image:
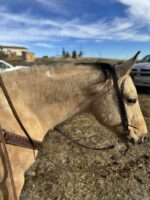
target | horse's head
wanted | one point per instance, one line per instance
(105, 106)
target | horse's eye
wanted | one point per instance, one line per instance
(131, 101)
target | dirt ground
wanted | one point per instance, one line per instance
(66, 171)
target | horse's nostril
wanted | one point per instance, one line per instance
(143, 139)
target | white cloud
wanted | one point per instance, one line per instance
(22, 28)
(55, 6)
(138, 10)
(14, 44)
(26, 19)
(45, 45)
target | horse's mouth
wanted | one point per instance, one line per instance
(130, 137)
(138, 140)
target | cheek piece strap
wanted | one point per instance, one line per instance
(121, 103)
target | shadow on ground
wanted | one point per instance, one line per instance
(66, 171)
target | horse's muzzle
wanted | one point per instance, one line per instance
(142, 139)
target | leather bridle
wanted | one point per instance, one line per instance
(122, 111)
(28, 142)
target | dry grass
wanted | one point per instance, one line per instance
(49, 61)
(81, 174)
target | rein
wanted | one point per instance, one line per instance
(34, 145)
(10, 138)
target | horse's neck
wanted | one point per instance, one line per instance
(47, 100)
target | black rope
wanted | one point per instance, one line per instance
(111, 146)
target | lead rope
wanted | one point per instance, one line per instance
(8, 164)
(111, 146)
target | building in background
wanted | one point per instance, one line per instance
(13, 50)
(28, 56)
(17, 52)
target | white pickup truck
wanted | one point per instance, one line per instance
(141, 72)
(4, 66)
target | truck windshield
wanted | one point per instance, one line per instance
(146, 59)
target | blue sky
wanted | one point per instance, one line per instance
(110, 28)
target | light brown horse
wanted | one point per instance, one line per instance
(46, 96)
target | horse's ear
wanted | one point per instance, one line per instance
(126, 67)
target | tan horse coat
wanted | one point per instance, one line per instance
(43, 98)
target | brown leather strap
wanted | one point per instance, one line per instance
(8, 164)
(18, 140)
(14, 139)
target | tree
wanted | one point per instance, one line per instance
(63, 53)
(74, 54)
(67, 55)
(80, 53)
